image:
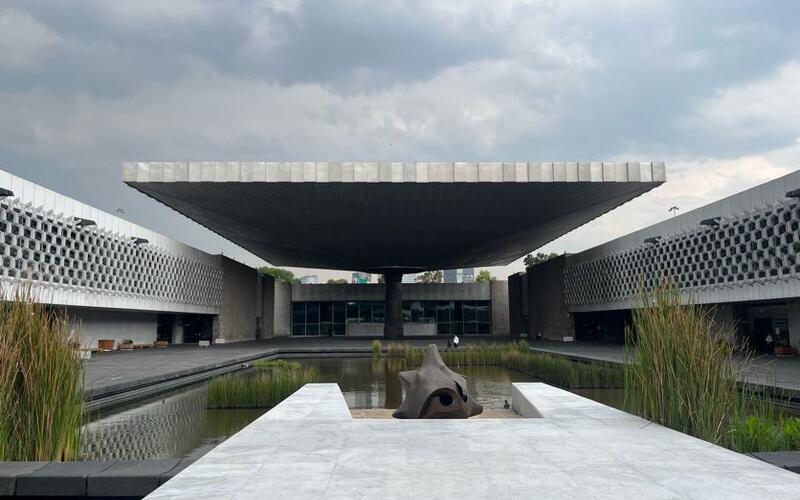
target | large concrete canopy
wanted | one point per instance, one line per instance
(392, 216)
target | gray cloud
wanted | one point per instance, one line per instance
(86, 84)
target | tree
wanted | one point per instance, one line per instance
(484, 276)
(340, 281)
(531, 260)
(430, 277)
(280, 274)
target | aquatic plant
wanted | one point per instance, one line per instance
(681, 371)
(41, 383)
(377, 348)
(263, 389)
(791, 433)
(277, 364)
(517, 355)
(398, 349)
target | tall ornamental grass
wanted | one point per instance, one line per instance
(682, 372)
(41, 384)
(267, 387)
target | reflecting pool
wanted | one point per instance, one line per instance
(178, 424)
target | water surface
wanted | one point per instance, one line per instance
(178, 424)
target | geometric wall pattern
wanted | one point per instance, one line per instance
(43, 248)
(758, 246)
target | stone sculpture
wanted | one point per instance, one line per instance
(435, 391)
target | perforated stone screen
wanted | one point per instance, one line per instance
(755, 247)
(58, 252)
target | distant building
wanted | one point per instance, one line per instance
(452, 276)
(311, 279)
(468, 275)
(360, 278)
(409, 278)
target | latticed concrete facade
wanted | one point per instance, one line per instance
(708, 254)
(75, 260)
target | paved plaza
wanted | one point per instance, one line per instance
(310, 447)
(766, 370)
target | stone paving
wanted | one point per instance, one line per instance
(310, 447)
(766, 370)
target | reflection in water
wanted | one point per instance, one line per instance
(177, 423)
(174, 424)
(373, 383)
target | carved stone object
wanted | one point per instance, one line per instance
(435, 391)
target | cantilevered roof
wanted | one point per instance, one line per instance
(373, 216)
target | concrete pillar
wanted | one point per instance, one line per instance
(393, 324)
(177, 329)
(793, 317)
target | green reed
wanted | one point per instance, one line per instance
(681, 371)
(267, 387)
(377, 348)
(517, 355)
(41, 384)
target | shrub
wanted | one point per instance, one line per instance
(791, 433)
(755, 434)
(41, 384)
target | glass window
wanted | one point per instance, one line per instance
(443, 309)
(338, 312)
(430, 311)
(298, 313)
(365, 312)
(312, 312)
(484, 311)
(352, 312)
(406, 312)
(444, 328)
(417, 312)
(326, 312)
(298, 329)
(312, 329)
(470, 328)
(469, 311)
(339, 329)
(378, 312)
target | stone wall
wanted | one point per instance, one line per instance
(267, 306)
(237, 314)
(500, 318)
(547, 308)
(282, 320)
(95, 324)
(515, 299)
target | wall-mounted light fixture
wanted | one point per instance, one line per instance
(5, 193)
(712, 222)
(653, 240)
(795, 193)
(80, 222)
(139, 241)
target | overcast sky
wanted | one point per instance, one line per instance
(711, 88)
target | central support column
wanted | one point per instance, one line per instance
(393, 325)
